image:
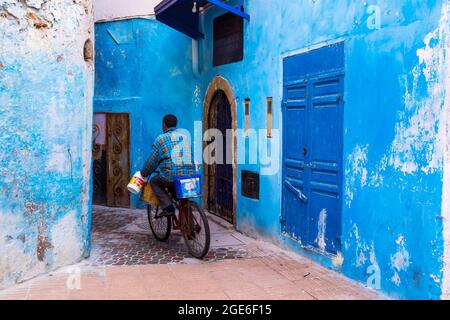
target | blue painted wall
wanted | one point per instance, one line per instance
(393, 119)
(393, 130)
(144, 68)
(394, 96)
(46, 90)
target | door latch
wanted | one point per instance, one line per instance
(298, 192)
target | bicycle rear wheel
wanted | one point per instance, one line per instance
(161, 227)
(196, 231)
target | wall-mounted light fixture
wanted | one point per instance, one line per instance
(246, 115)
(269, 124)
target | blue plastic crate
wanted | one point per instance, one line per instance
(188, 186)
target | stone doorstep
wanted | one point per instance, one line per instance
(225, 240)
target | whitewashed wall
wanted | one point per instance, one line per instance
(116, 9)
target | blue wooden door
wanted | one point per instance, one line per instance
(312, 148)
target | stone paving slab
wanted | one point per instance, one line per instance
(249, 279)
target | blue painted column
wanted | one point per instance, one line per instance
(46, 89)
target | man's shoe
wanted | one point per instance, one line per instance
(167, 212)
(164, 213)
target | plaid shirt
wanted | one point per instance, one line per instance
(171, 156)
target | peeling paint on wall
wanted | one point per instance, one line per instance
(321, 229)
(65, 238)
(358, 175)
(400, 261)
(46, 92)
(419, 142)
(339, 260)
(197, 97)
(356, 172)
(363, 252)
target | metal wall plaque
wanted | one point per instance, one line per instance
(250, 184)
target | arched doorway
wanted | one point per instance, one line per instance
(220, 177)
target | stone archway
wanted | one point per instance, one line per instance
(219, 84)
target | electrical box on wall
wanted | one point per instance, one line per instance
(250, 184)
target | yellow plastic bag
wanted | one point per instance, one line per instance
(148, 196)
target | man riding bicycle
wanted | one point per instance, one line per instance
(171, 157)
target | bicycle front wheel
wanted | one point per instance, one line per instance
(196, 231)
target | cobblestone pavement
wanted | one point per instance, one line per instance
(123, 237)
(127, 263)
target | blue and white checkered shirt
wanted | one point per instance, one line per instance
(171, 156)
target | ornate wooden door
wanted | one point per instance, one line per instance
(118, 163)
(99, 160)
(220, 174)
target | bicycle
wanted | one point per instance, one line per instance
(191, 221)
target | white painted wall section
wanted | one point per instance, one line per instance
(105, 10)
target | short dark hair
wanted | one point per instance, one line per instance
(170, 121)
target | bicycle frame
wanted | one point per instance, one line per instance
(180, 222)
(183, 221)
(176, 220)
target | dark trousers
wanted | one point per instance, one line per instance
(159, 186)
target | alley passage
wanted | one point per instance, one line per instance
(123, 237)
(128, 263)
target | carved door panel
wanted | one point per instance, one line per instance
(118, 161)
(99, 159)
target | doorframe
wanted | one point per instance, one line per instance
(220, 83)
